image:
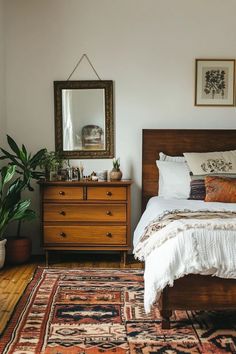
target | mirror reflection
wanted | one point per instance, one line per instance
(84, 119)
(83, 115)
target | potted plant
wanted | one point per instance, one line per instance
(51, 162)
(11, 206)
(116, 174)
(18, 248)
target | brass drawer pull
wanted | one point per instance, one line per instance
(109, 194)
(62, 212)
(109, 212)
(62, 193)
(62, 234)
(109, 234)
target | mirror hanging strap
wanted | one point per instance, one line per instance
(78, 63)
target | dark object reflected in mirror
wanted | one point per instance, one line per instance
(84, 119)
(93, 137)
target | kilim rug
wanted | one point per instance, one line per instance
(100, 311)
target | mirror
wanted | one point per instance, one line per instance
(84, 119)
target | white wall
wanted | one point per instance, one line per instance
(2, 76)
(148, 47)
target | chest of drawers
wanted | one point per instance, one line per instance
(86, 216)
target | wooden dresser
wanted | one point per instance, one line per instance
(86, 215)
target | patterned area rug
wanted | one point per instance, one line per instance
(95, 311)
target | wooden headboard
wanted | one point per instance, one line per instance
(174, 142)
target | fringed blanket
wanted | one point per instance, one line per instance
(170, 223)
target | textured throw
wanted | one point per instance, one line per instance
(100, 311)
(170, 223)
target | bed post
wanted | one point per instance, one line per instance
(164, 311)
(165, 321)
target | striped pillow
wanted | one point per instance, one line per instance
(197, 189)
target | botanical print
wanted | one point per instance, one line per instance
(215, 82)
(216, 165)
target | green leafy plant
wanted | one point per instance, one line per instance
(26, 166)
(116, 164)
(51, 161)
(12, 208)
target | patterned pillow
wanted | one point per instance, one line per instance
(219, 189)
(205, 163)
(197, 189)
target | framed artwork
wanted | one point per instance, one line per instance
(215, 82)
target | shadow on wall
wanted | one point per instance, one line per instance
(136, 197)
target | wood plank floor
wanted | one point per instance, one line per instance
(13, 279)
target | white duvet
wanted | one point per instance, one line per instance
(194, 250)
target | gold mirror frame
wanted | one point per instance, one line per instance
(107, 85)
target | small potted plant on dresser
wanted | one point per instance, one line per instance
(18, 248)
(51, 162)
(12, 207)
(116, 174)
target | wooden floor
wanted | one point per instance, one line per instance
(13, 279)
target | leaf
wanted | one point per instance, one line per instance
(37, 158)
(13, 195)
(7, 173)
(37, 174)
(22, 212)
(24, 150)
(13, 158)
(13, 145)
(29, 214)
(19, 210)
(9, 156)
(23, 157)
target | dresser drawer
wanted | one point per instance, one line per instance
(85, 212)
(106, 193)
(99, 235)
(63, 193)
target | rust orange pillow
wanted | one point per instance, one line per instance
(220, 189)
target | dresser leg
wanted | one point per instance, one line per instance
(123, 258)
(46, 258)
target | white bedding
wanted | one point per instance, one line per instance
(195, 250)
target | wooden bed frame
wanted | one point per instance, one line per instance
(191, 292)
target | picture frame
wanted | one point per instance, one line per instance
(215, 82)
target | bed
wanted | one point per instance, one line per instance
(192, 291)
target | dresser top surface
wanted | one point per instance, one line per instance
(86, 183)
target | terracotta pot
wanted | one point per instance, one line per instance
(115, 175)
(18, 250)
(2, 252)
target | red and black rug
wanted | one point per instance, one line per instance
(94, 311)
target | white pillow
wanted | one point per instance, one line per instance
(164, 157)
(174, 180)
(205, 163)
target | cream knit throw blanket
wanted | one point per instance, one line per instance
(170, 223)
